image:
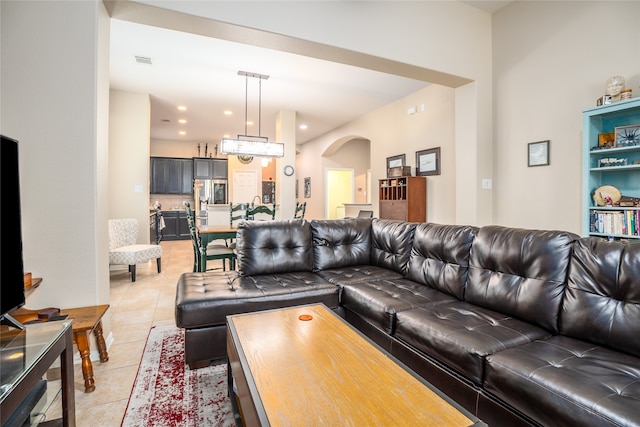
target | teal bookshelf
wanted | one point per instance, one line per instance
(618, 166)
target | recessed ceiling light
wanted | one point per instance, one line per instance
(182, 108)
(182, 132)
(226, 135)
(228, 112)
(303, 127)
(249, 123)
(183, 121)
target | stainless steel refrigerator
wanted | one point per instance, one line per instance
(211, 191)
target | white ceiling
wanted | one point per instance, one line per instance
(201, 73)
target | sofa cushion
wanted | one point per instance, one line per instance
(378, 301)
(357, 273)
(269, 247)
(391, 244)
(521, 273)
(340, 243)
(461, 335)
(440, 257)
(602, 300)
(206, 299)
(561, 381)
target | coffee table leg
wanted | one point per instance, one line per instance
(82, 342)
(102, 347)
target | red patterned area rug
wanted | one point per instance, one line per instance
(167, 393)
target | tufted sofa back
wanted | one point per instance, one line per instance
(391, 244)
(269, 247)
(602, 300)
(341, 243)
(440, 257)
(521, 273)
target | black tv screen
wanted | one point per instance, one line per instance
(11, 264)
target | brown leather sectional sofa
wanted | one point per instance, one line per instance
(521, 327)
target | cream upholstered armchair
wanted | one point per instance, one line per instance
(123, 249)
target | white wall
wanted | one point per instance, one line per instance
(54, 101)
(129, 140)
(551, 61)
(392, 132)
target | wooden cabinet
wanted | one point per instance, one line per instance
(208, 168)
(614, 166)
(171, 175)
(403, 198)
(176, 226)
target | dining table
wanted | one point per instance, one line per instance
(209, 233)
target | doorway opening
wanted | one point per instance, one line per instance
(338, 191)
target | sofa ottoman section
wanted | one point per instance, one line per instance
(203, 300)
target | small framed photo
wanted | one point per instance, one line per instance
(607, 140)
(428, 162)
(538, 153)
(395, 161)
(627, 136)
(307, 187)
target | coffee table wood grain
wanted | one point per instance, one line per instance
(287, 371)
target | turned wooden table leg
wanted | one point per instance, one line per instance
(102, 347)
(82, 342)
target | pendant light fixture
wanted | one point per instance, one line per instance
(251, 145)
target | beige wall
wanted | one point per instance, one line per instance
(129, 158)
(551, 61)
(53, 98)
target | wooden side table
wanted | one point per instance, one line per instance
(85, 320)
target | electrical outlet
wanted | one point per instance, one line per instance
(486, 184)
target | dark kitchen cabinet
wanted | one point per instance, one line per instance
(208, 168)
(176, 226)
(171, 176)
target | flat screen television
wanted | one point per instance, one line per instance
(11, 263)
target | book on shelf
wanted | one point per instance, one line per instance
(623, 222)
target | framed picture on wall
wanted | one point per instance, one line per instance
(428, 162)
(395, 161)
(538, 153)
(307, 187)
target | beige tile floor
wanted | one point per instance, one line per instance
(134, 309)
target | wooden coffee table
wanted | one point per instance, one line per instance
(288, 371)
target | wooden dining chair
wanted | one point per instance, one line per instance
(212, 251)
(261, 209)
(237, 212)
(299, 212)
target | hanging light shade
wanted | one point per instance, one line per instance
(250, 145)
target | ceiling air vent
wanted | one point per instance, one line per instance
(143, 60)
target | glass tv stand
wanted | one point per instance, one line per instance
(26, 355)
